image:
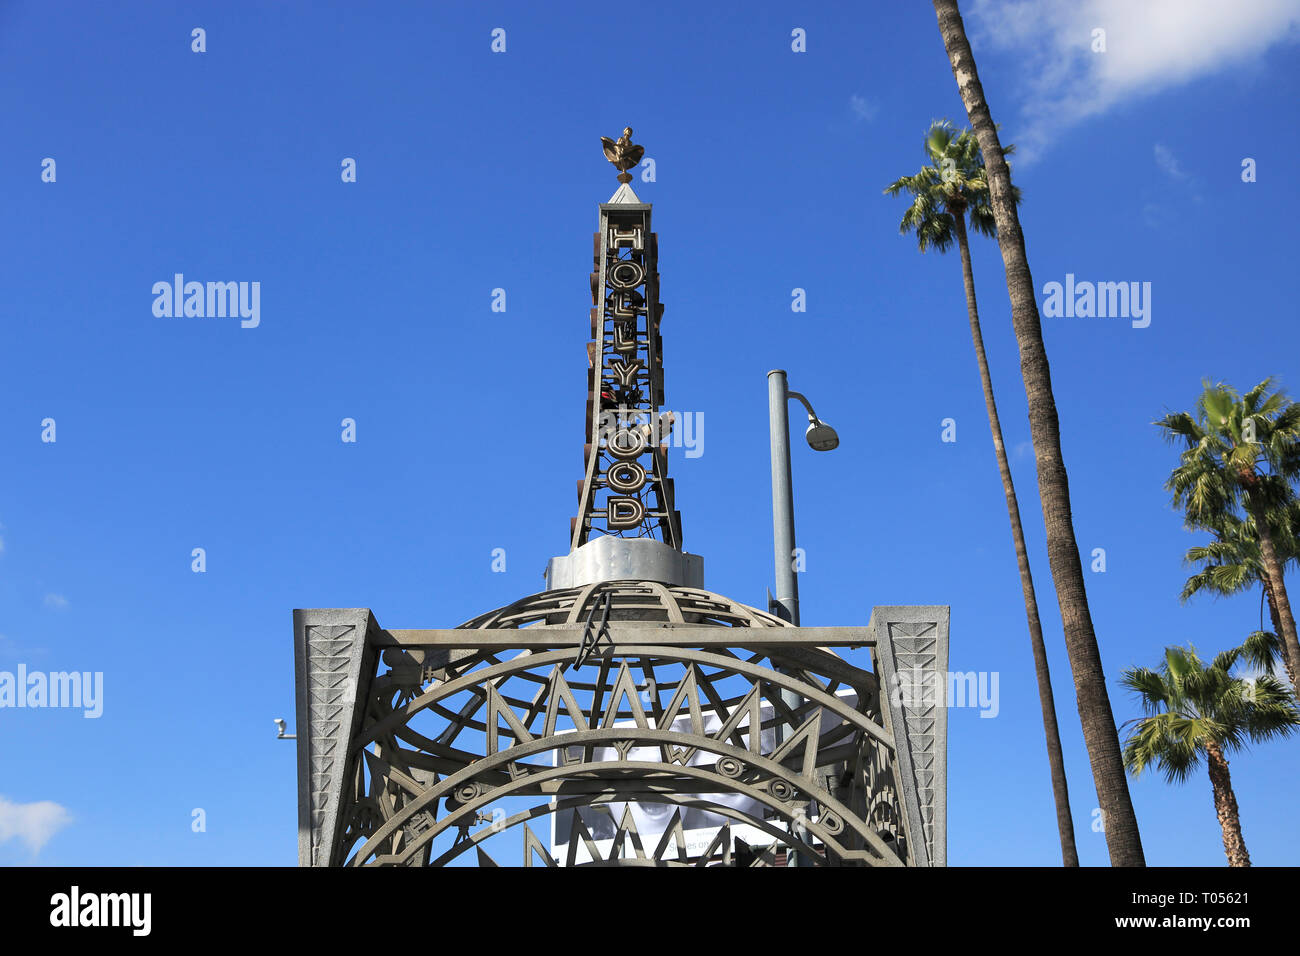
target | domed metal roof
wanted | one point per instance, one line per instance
(630, 601)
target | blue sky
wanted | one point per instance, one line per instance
(479, 170)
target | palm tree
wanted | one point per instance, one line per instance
(1099, 732)
(1263, 649)
(1242, 450)
(1194, 711)
(950, 187)
(1231, 564)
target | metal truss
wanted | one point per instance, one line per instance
(448, 746)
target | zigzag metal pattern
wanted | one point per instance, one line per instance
(329, 705)
(916, 651)
(627, 844)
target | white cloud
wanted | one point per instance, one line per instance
(1151, 45)
(863, 109)
(56, 601)
(1169, 164)
(9, 648)
(1171, 167)
(32, 823)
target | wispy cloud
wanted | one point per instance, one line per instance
(32, 823)
(1150, 46)
(863, 109)
(12, 650)
(56, 601)
(1169, 164)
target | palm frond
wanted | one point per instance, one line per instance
(1190, 704)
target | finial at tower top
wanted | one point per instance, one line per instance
(623, 153)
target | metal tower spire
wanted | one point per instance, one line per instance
(627, 526)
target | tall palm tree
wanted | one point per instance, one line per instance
(950, 187)
(1194, 711)
(1099, 732)
(1242, 450)
(1231, 564)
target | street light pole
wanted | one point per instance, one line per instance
(821, 437)
(787, 585)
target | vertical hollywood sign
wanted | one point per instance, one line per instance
(626, 490)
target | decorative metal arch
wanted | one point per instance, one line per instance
(414, 745)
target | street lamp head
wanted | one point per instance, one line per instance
(821, 437)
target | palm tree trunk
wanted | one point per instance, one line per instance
(1273, 568)
(1225, 805)
(1099, 733)
(1060, 789)
(1277, 629)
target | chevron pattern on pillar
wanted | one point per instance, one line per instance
(329, 647)
(329, 697)
(915, 651)
(912, 661)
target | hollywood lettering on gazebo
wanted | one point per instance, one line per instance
(624, 715)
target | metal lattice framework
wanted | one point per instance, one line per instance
(625, 489)
(418, 747)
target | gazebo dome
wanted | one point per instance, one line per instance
(630, 601)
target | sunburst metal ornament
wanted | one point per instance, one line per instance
(623, 153)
